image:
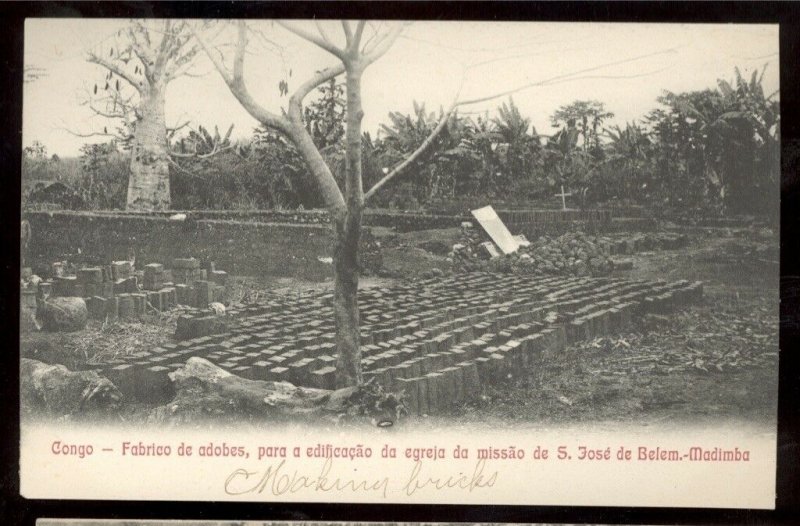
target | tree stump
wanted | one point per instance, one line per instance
(54, 390)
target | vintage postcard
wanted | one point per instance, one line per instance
(371, 261)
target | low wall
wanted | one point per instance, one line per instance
(401, 221)
(239, 247)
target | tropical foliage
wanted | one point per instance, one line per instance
(715, 151)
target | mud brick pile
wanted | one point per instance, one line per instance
(118, 291)
(197, 287)
(439, 340)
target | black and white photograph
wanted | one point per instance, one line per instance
(498, 248)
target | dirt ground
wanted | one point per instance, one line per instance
(713, 362)
(716, 361)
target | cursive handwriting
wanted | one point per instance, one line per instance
(281, 480)
(461, 481)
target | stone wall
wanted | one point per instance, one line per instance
(240, 247)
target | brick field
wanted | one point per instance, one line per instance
(437, 340)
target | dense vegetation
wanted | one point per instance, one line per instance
(715, 151)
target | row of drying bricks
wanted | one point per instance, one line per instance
(282, 331)
(461, 366)
(377, 305)
(413, 347)
(276, 337)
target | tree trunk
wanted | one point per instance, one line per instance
(345, 300)
(205, 392)
(148, 186)
(348, 235)
(203, 389)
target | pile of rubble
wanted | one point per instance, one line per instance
(573, 253)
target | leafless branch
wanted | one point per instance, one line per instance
(114, 68)
(348, 33)
(322, 33)
(236, 81)
(180, 66)
(105, 113)
(375, 33)
(359, 33)
(382, 45)
(175, 129)
(302, 33)
(91, 134)
(319, 78)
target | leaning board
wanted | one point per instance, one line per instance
(496, 229)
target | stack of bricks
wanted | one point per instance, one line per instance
(117, 291)
(158, 286)
(197, 287)
(441, 341)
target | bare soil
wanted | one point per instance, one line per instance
(716, 361)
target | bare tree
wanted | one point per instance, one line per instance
(145, 56)
(345, 206)
(359, 45)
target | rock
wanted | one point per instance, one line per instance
(56, 391)
(63, 314)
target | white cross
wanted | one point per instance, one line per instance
(563, 197)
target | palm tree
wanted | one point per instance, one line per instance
(738, 130)
(432, 174)
(523, 148)
(628, 154)
(587, 116)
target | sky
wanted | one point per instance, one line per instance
(624, 65)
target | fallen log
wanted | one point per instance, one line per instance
(205, 392)
(55, 391)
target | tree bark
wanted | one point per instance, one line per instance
(348, 235)
(148, 186)
(206, 393)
